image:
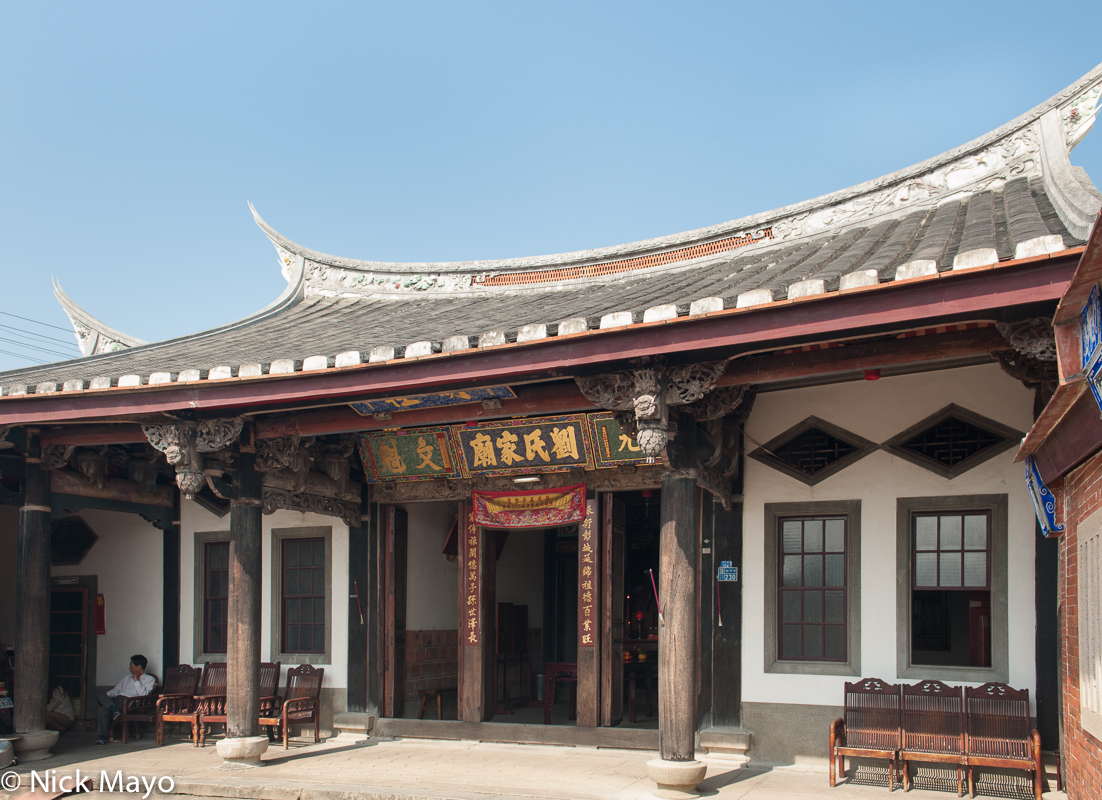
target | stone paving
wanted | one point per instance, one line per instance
(349, 766)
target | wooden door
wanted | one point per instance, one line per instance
(613, 516)
(395, 618)
(68, 643)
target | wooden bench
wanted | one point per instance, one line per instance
(871, 726)
(211, 708)
(933, 727)
(997, 733)
(437, 694)
(182, 708)
(180, 682)
(984, 726)
(300, 702)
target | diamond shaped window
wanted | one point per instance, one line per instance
(952, 441)
(70, 540)
(813, 450)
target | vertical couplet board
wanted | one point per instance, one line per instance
(613, 516)
(477, 609)
(589, 626)
(394, 678)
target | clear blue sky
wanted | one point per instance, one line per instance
(132, 135)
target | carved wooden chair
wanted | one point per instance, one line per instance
(300, 704)
(933, 727)
(212, 709)
(870, 727)
(185, 708)
(997, 732)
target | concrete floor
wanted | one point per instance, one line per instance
(350, 766)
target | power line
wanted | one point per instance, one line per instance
(34, 347)
(36, 322)
(32, 333)
(20, 355)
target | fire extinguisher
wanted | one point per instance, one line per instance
(101, 615)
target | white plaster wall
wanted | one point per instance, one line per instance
(195, 518)
(127, 561)
(879, 410)
(432, 581)
(9, 552)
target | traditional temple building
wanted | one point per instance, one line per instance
(744, 464)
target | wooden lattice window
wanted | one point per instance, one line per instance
(813, 450)
(216, 595)
(952, 441)
(303, 595)
(811, 588)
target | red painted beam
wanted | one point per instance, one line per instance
(123, 433)
(1076, 437)
(530, 400)
(901, 304)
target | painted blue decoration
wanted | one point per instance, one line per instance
(1044, 504)
(1090, 329)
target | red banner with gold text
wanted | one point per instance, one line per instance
(540, 508)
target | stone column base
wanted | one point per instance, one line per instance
(34, 746)
(676, 779)
(243, 752)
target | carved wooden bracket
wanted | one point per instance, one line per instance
(649, 391)
(1033, 359)
(183, 445)
(57, 457)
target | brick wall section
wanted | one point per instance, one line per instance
(1079, 495)
(432, 661)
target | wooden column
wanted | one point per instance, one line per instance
(677, 630)
(170, 590)
(358, 560)
(32, 635)
(243, 643)
(726, 656)
(589, 625)
(477, 641)
(374, 603)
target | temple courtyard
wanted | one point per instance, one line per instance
(353, 766)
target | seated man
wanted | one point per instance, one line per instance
(136, 684)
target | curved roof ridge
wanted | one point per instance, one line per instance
(290, 296)
(93, 336)
(755, 225)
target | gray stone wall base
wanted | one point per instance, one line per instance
(789, 734)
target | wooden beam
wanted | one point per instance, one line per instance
(901, 304)
(861, 356)
(1076, 437)
(112, 433)
(534, 399)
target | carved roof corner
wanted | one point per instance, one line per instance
(93, 336)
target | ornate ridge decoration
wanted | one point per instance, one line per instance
(275, 499)
(56, 457)
(1079, 114)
